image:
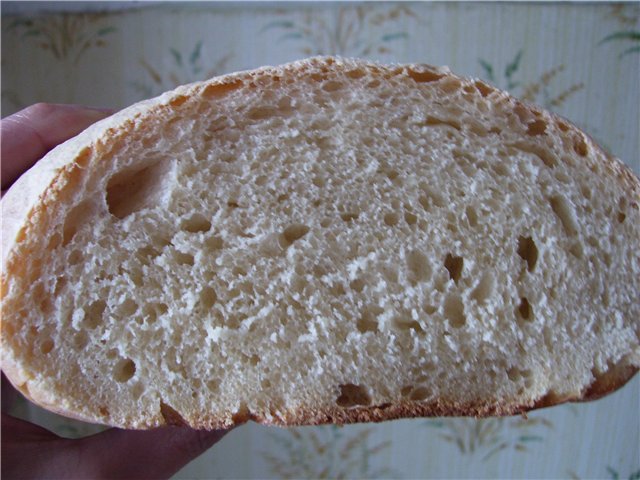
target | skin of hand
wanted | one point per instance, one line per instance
(28, 450)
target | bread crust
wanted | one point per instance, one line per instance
(28, 207)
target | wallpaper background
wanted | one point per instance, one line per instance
(580, 60)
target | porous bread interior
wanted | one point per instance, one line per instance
(334, 235)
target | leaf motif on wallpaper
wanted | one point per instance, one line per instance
(186, 67)
(612, 474)
(360, 30)
(626, 14)
(543, 90)
(615, 475)
(628, 37)
(325, 452)
(487, 437)
(66, 37)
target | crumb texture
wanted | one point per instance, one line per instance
(326, 236)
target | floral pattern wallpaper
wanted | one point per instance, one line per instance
(580, 60)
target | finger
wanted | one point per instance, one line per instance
(157, 453)
(26, 136)
(30, 451)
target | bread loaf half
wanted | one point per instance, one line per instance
(330, 240)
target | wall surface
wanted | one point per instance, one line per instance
(581, 61)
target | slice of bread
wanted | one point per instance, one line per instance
(327, 241)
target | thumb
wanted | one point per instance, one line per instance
(157, 453)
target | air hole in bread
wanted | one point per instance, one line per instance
(450, 84)
(454, 310)
(391, 219)
(454, 266)
(352, 396)
(196, 223)
(77, 216)
(576, 250)
(424, 202)
(294, 232)
(47, 345)
(80, 340)
(368, 321)
(357, 285)
(410, 218)
(564, 211)
(429, 309)
(484, 89)
(580, 146)
(472, 216)
(75, 257)
(220, 89)
(484, 288)
(419, 394)
(133, 190)
(418, 266)
(525, 311)
(528, 251)
(542, 154)
(562, 176)
(124, 370)
(332, 86)
(406, 390)
(151, 311)
(182, 258)
(404, 324)
(349, 216)
(214, 243)
(318, 181)
(432, 121)
(128, 308)
(93, 314)
(537, 127)
(208, 298)
(425, 76)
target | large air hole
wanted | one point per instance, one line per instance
(454, 266)
(418, 266)
(404, 324)
(528, 251)
(196, 223)
(294, 232)
(419, 394)
(525, 311)
(182, 258)
(424, 77)
(537, 127)
(472, 216)
(124, 370)
(454, 311)
(368, 321)
(352, 396)
(133, 190)
(93, 314)
(391, 219)
(564, 211)
(349, 216)
(208, 298)
(47, 345)
(77, 216)
(580, 146)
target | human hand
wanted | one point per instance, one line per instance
(30, 451)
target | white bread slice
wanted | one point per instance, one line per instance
(327, 241)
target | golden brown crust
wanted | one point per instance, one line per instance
(30, 206)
